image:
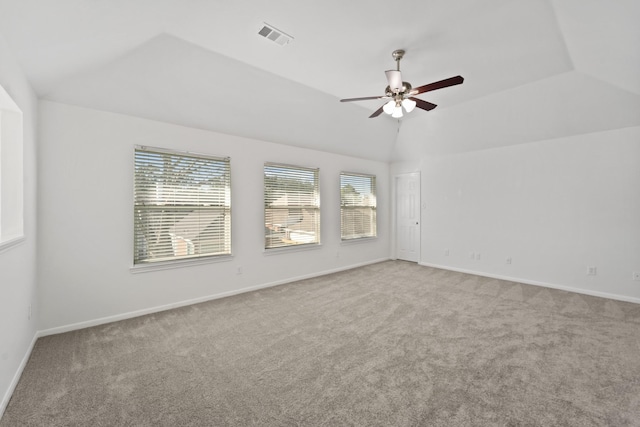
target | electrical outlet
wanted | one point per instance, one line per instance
(446, 252)
(636, 275)
(509, 260)
(592, 271)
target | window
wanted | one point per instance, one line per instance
(182, 206)
(357, 206)
(11, 172)
(291, 206)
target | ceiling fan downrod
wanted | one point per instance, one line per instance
(394, 77)
(397, 56)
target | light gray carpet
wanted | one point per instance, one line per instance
(390, 344)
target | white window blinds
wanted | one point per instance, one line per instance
(357, 206)
(182, 205)
(291, 206)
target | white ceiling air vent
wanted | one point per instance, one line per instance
(274, 34)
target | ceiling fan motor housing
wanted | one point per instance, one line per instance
(403, 92)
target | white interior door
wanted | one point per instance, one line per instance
(408, 217)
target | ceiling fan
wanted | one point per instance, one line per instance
(401, 94)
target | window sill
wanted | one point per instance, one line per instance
(10, 243)
(359, 240)
(293, 248)
(170, 265)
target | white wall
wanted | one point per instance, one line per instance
(555, 207)
(18, 263)
(86, 222)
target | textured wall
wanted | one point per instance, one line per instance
(18, 263)
(554, 207)
(87, 223)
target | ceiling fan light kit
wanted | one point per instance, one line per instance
(409, 104)
(401, 94)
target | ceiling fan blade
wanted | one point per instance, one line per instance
(423, 104)
(452, 81)
(395, 79)
(360, 99)
(376, 113)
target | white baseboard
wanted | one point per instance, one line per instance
(14, 382)
(536, 283)
(150, 310)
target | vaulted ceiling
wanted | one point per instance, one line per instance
(533, 69)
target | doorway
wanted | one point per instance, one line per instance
(407, 187)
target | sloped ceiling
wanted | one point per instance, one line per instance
(533, 68)
(564, 105)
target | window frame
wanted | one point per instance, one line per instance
(316, 221)
(12, 231)
(374, 208)
(224, 164)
